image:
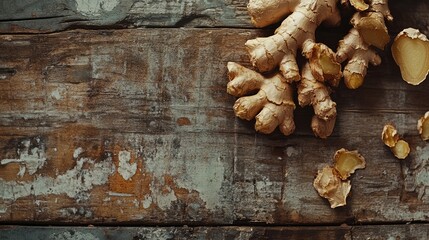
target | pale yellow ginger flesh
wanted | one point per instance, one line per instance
(390, 135)
(346, 162)
(401, 149)
(390, 138)
(371, 24)
(373, 30)
(271, 106)
(359, 55)
(410, 50)
(359, 5)
(423, 126)
(315, 93)
(330, 186)
(296, 32)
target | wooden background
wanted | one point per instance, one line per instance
(115, 113)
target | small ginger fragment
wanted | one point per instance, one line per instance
(401, 149)
(346, 162)
(410, 51)
(330, 186)
(423, 126)
(389, 135)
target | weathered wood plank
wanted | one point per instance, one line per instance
(49, 16)
(83, 111)
(398, 232)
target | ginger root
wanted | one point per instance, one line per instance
(369, 29)
(297, 31)
(272, 105)
(423, 126)
(315, 93)
(371, 24)
(410, 51)
(277, 55)
(359, 54)
(390, 138)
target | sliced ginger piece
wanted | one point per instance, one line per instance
(346, 162)
(401, 149)
(389, 135)
(330, 186)
(423, 126)
(359, 5)
(410, 50)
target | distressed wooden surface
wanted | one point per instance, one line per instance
(379, 232)
(35, 16)
(113, 104)
(133, 126)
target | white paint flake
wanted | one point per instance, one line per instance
(95, 7)
(147, 201)
(72, 235)
(291, 151)
(417, 175)
(165, 198)
(202, 175)
(117, 194)
(74, 183)
(126, 169)
(31, 159)
(77, 152)
(56, 94)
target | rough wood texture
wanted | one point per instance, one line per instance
(83, 111)
(49, 16)
(28, 16)
(380, 232)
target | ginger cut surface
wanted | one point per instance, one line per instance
(401, 149)
(359, 5)
(410, 51)
(423, 126)
(346, 162)
(390, 135)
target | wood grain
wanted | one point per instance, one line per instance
(35, 16)
(400, 232)
(98, 104)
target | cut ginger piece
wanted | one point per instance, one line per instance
(423, 126)
(410, 50)
(359, 5)
(389, 135)
(401, 149)
(330, 186)
(346, 162)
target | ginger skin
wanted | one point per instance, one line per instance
(315, 93)
(272, 105)
(297, 31)
(359, 55)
